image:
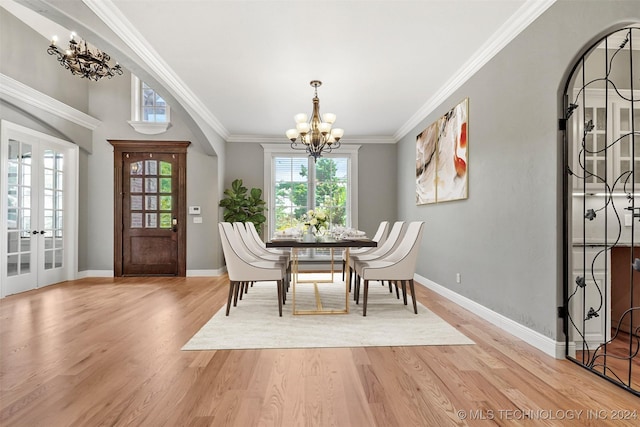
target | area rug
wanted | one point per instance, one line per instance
(254, 323)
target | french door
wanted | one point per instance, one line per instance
(39, 205)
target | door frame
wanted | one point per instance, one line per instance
(71, 184)
(120, 148)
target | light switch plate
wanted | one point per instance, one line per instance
(194, 210)
(197, 220)
(628, 218)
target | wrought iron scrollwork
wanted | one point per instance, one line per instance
(606, 196)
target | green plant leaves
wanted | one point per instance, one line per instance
(242, 205)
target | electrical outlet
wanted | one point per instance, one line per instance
(628, 219)
(458, 278)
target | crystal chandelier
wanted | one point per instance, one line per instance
(315, 136)
(82, 61)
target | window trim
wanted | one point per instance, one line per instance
(275, 150)
(136, 122)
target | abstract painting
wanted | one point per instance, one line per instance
(442, 158)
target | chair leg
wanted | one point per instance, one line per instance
(356, 289)
(413, 296)
(280, 286)
(231, 286)
(236, 287)
(404, 291)
(390, 287)
(242, 286)
(366, 293)
(284, 291)
(395, 282)
(343, 267)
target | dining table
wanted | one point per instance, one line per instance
(298, 244)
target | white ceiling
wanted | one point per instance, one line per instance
(384, 64)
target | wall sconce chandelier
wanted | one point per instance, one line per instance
(315, 136)
(82, 61)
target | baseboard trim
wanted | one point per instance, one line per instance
(190, 273)
(202, 273)
(94, 273)
(545, 344)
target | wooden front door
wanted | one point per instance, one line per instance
(150, 211)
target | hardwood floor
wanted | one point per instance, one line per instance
(620, 361)
(107, 352)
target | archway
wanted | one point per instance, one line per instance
(601, 127)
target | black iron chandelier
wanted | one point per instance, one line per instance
(316, 135)
(84, 62)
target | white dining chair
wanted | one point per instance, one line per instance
(379, 237)
(398, 265)
(242, 267)
(251, 228)
(260, 253)
(391, 242)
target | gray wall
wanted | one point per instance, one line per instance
(110, 101)
(23, 57)
(506, 238)
(377, 170)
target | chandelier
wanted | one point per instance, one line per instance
(82, 61)
(315, 136)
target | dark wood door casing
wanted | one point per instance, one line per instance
(121, 148)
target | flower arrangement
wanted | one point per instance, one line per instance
(317, 219)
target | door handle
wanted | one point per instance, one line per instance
(174, 222)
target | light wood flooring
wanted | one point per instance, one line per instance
(106, 351)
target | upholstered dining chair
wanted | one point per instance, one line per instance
(260, 253)
(398, 265)
(251, 228)
(379, 237)
(254, 246)
(390, 243)
(242, 267)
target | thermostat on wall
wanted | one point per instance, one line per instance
(194, 210)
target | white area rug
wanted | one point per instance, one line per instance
(254, 323)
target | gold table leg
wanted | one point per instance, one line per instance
(319, 309)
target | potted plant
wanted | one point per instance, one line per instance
(242, 205)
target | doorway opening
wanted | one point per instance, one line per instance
(150, 208)
(601, 127)
(38, 209)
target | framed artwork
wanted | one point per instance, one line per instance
(442, 158)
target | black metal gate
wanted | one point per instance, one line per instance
(601, 127)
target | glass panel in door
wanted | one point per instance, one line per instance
(21, 247)
(150, 212)
(51, 229)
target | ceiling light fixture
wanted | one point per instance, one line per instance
(82, 61)
(315, 136)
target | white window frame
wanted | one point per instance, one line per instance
(137, 122)
(281, 150)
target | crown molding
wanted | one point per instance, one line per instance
(527, 13)
(111, 15)
(266, 139)
(12, 90)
